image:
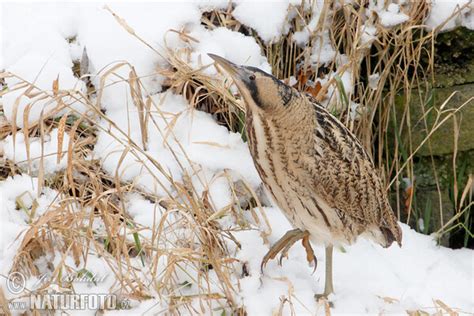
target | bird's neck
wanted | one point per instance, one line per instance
(296, 115)
(296, 118)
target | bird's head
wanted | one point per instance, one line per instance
(259, 89)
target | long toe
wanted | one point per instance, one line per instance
(271, 254)
(283, 244)
(310, 256)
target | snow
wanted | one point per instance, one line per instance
(15, 149)
(41, 70)
(392, 15)
(121, 46)
(221, 41)
(322, 51)
(368, 34)
(364, 274)
(197, 134)
(40, 44)
(374, 80)
(441, 11)
(38, 53)
(302, 37)
(17, 195)
(268, 18)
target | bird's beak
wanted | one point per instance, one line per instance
(238, 73)
(229, 67)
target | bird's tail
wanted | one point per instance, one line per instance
(390, 228)
(392, 234)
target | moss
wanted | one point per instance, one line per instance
(432, 203)
(426, 108)
(455, 47)
(454, 58)
(427, 169)
(447, 75)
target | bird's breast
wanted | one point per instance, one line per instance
(318, 174)
(281, 157)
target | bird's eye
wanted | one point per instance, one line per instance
(252, 77)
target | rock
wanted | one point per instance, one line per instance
(442, 141)
(454, 57)
(433, 201)
(435, 168)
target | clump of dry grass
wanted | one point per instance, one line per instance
(88, 196)
(202, 92)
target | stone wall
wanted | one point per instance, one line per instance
(435, 167)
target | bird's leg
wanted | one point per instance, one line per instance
(328, 285)
(283, 244)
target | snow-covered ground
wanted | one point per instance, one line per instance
(41, 41)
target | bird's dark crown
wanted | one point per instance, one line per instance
(266, 90)
(259, 89)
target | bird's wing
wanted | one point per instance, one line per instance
(345, 177)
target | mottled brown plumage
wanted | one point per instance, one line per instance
(312, 166)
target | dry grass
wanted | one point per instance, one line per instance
(89, 196)
(185, 236)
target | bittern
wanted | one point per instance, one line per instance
(313, 167)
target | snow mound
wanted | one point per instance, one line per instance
(461, 11)
(49, 153)
(268, 18)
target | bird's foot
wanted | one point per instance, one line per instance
(324, 298)
(284, 244)
(328, 290)
(309, 251)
